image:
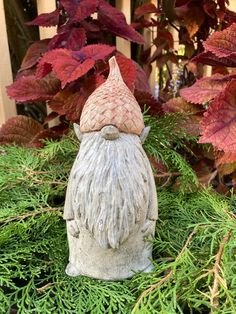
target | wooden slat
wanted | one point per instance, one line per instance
(154, 75)
(7, 106)
(232, 5)
(123, 45)
(46, 6)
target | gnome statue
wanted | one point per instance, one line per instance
(111, 203)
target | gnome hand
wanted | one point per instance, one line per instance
(73, 228)
(148, 228)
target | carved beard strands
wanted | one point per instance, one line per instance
(105, 200)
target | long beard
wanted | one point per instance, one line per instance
(109, 182)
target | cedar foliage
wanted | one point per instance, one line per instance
(194, 247)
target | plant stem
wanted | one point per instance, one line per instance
(168, 275)
(214, 291)
(32, 214)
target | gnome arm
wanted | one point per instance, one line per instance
(68, 207)
(152, 212)
(73, 228)
(148, 227)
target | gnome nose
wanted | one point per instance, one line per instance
(110, 132)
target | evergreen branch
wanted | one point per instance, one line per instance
(32, 214)
(167, 276)
(229, 213)
(214, 291)
(167, 174)
(33, 251)
(45, 287)
(42, 181)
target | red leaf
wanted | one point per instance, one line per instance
(223, 43)
(219, 122)
(24, 73)
(147, 100)
(33, 54)
(115, 22)
(79, 10)
(206, 88)
(46, 19)
(50, 117)
(146, 9)
(226, 169)
(71, 103)
(29, 88)
(141, 80)
(20, 130)
(230, 16)
(70, 65)
(225, 162)
(205, 172)
(50, 58)
(66, 68)
(220, 70)
(76, 39)
(210, 59)
(48, 134)
(193, 19)
(164, 38)
(95, 52)
(209, 6)
(178, 104)
(127, 70)
(191, 121)
(73, 39)
(225, 158)
(91, 83)
(143, 24)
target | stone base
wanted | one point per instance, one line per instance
(89, 259)
(72, 271)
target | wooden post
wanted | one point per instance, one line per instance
(232, 5)
(123, 45)
(46, 6)
(153, 79)
(7, 106)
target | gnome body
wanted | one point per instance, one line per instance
(111, 204)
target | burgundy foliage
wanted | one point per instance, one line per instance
(219, 93)
(66, 69)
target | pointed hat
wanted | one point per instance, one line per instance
(112, 103)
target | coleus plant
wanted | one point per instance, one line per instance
(192, 20)
(202, 104)
(216, 95)
(64, 70)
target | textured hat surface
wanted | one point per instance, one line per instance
(112, 103)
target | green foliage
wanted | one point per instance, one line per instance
(188, 260)
(165, 139)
